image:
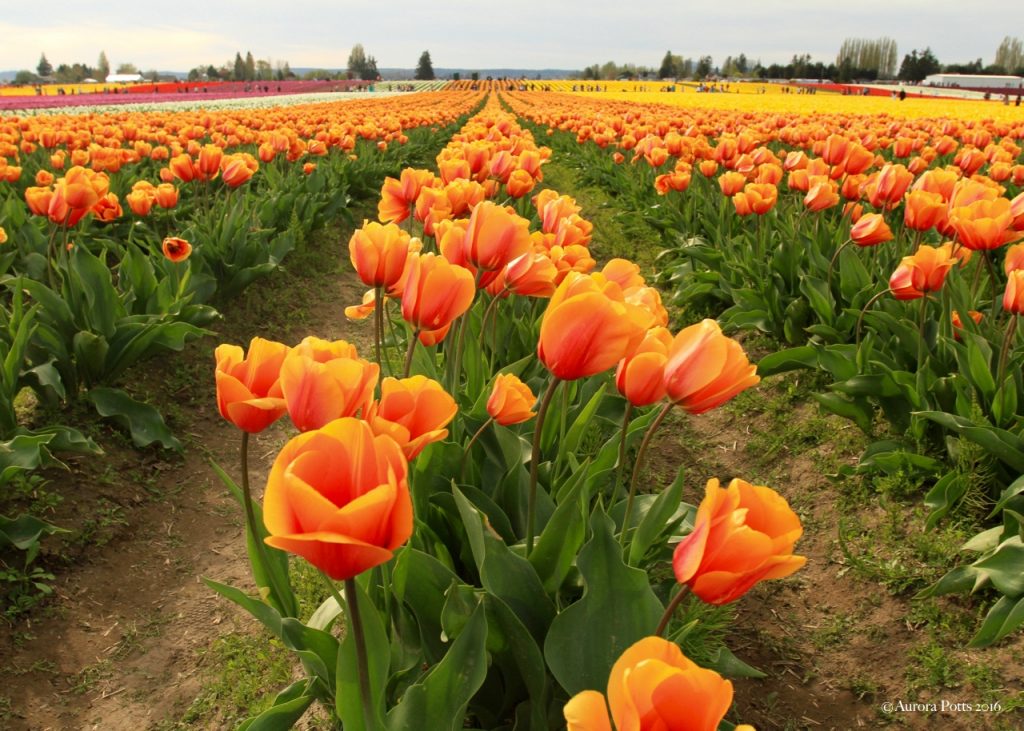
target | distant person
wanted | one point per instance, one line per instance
(903, 94)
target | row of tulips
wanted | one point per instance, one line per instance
(495, 571)
(120, 231)
(884, 250)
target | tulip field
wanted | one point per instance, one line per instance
(512, 409)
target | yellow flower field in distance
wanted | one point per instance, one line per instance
(742, 98)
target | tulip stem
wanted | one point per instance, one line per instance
(921, 345)
(469, 446)
(638, 465)
(620, 472)
(531, 500)
(835, 258)
(409, 352)
(671, 609)
(1004, 352)
(860, 318)
(351, 604)
(378, 323)
(250, 527)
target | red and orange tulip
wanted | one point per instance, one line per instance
(704, 368)
(248, 385)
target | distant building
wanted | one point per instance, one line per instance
(975, 81)
(123, 78)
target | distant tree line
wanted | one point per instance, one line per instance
(859, 59)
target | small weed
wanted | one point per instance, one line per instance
(934, 667)
(91, 676)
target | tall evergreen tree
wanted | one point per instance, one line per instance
(425, 69)
(102, 66)
(238, 74)
(250, 67)
(44, 68)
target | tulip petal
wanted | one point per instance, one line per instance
(586, 711)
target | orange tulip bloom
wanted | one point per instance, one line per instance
(870, 230)
(495, 236)
(435, 292)
(640, 377)
(822, 193)
(176, 249)
(38, 200)
(887, 187)
(1014, 258)
(140, 202)
(924, 210)
(339, 497)
(588, 327)
(511, 401)
(1013, 297)
(520, 183)
(756, 198)
(318, 390)
(44, 178)
(531, 275)
(3, 235)
(553, 209)
(107, 208)
(413, 411)
(705, 368)
(923, 272)
(378, 253)
(396, 196)
(984, 225)
(653, 686)
(365, 308)
(1017, 211)
(235, 170)
(248, 386)
(166, 195)
(731, 183)
(958, 324)
(624, 273)
(183, 168)
(938, 181)
(742, 534)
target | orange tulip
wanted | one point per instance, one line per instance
(413, 411)
(588, 327)
(183, 168)
(958, 324)
(435, 292)
(396, 196)
(365, 308)
(705, 368)
(984, 225)
(731, 183)
(176, 249)
(653, 686)
(248, 386)
(339, 497)
(38, 200)
(887, 187)
(822, 193)
(140, 202)
(640, 376)
(379, 252)
(756, 198)
(208, 163)
(166, 195)
(531, 275)
(923, 272)
(235, 170)
(520, 183)
(44, 178)
(1017, 211)
(3, 235)
(553, 209)
(494, 237)
(924, 210)
(1013, 297)
(318, 390)
(107, 208)
(742, 534)
(870, 230)
(1014, 258)
(511, 401)
(624, 273)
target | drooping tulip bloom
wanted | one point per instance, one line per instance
(870, 230)
(176, 249)
(588, 327)
(413, 411)
(379, 252)
(435, 292)
(248, 385)
(339, 497)
(742, 534)
(640, 376)
(923, 272)
(653, 686)
(365, 308)
(511, 401)
(705, 368)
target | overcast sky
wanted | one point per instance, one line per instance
(534, 34)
